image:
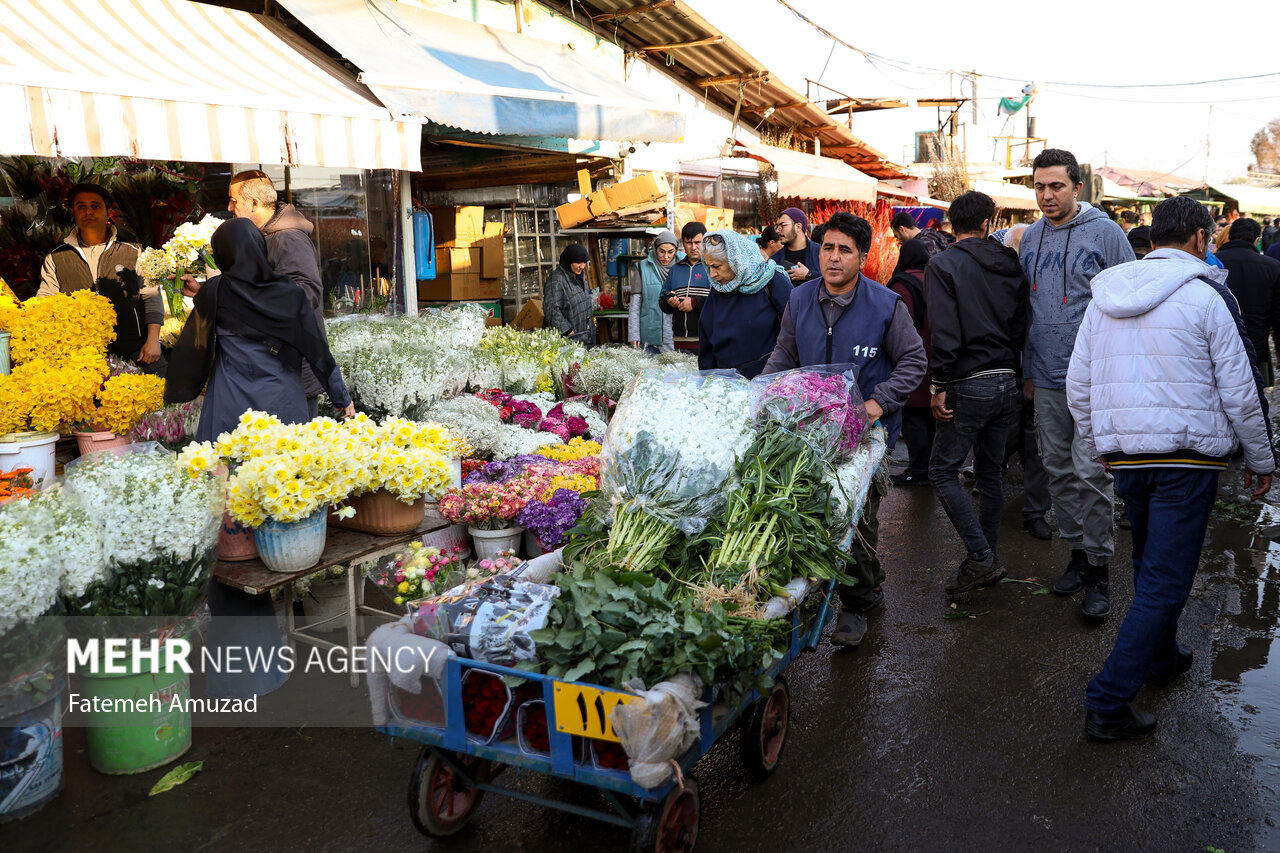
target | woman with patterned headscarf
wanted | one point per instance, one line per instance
(741, 319)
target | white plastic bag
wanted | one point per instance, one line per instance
(658, 726)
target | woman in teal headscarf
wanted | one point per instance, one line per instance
(741, 319)
(647, 325)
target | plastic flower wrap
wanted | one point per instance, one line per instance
(158, 528)
(186, 252)
(821, 405)
(419, 572)
(669, 455)
(30, 562)
(52, 393)
(471, 417)
(125, 399)
(172, 426)
(55, 326)
(607, 371)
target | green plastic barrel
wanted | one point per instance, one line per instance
(138, 725)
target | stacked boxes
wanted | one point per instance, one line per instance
(469, 259)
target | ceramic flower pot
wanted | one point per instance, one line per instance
(236, 542)
(490, 542)
(32, 450)
(381, 513)
(292, 546)
(99, 440)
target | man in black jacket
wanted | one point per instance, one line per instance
(1255, 281)
(977, 297)
(289, 248)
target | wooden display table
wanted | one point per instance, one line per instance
(346, 548)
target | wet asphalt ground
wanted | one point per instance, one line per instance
(949, 729)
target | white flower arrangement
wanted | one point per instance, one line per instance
(145, 508)
(79, 545)
(156, 265)
(517, 441)
(522, 362)
(476, 420)
(30, 567)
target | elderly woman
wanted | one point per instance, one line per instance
(647, 326)
(742, 317)
(567, 302)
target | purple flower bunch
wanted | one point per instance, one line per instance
(825, 409)
(552, 519)
(504, 469)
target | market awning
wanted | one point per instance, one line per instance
(808, 176)
(177, 80)
(1112, 190)
(1263, 201)
(1009, 196)
(477, 78)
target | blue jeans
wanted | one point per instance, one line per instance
(986, 410)
(1169, 510)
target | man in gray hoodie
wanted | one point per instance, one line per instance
(289, 249)
(1060, 255)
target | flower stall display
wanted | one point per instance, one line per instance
(481, 422)
(401, 366)
(16, 484)
(523, 362)
(418, 572)
(551, 519)
(606, 371)
(173, 426)
(58, 325)
(187, 252)
(670, 452)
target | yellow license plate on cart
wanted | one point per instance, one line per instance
(584, 710)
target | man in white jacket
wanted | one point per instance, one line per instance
(1160, 383)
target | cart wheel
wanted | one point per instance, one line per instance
(440, 802)
(672, 825)
(764, 730)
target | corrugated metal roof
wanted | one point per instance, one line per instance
(719, 65)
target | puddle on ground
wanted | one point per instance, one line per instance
(1246, 663)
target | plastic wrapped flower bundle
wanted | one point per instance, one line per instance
(822, 405)
(523, 362)
(670, 452)
(541, 413)
(158, 528)
(172, 426)
(186, 252)
(606, 371)
(30, 563)
(418, 572)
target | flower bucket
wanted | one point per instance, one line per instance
(32, 450)
(381, 513)
(134, 741)
(325, 604)
(236, 542)
(31, 757)
(94, 442)
(532, 547)
(292, 546)
(490, 542)
(4, 353)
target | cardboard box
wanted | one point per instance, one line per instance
(492, 259)
(646, 188)
(457, 227)
(574, 213)
(456, 286)
(459, 261)
(530, 316)
(718, 219)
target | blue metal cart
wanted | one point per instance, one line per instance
(455, 770)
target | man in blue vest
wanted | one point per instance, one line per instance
(843, 317)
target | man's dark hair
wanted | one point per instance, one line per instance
(851, 226)
(1176, 220)
(1245, 229)
(969, 210)
(1050, 157)
(86, 187)
(1129, 216)
(819, 231)
(902, 219)
(691, 230)
(1140, 238)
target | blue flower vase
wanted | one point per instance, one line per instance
(292, 546)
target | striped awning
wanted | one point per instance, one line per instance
(177, 80)
(809, 176)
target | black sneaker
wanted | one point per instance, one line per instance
(908, 479)
(975, 575)
(1037, 527)
(1128, 724)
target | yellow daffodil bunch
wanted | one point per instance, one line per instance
(53, 326)
(409, 459)
(577, 448)
(9, 307)
(124, 399)
(51, 393)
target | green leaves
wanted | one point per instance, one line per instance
(176, 777)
